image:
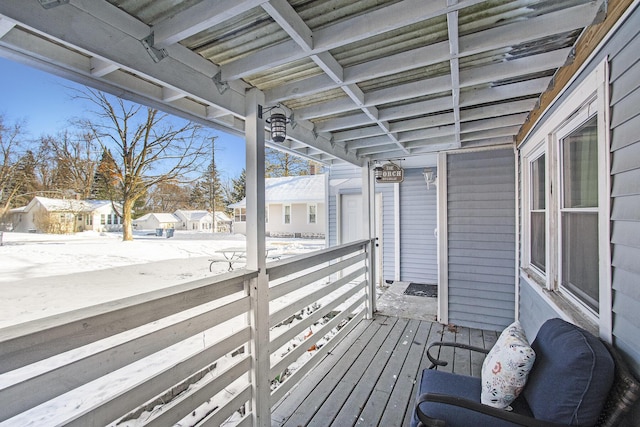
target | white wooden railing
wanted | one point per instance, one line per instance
(184, 354)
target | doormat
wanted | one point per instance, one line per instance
(421, 290)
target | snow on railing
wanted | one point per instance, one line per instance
(183, 354)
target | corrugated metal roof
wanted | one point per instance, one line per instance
(362, 80)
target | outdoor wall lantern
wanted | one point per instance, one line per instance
(429, 176)
(278, 122)
(377, 172)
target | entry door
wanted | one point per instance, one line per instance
(351, 220)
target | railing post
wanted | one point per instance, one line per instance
(258, 287)
(368, 203)
(370, 247)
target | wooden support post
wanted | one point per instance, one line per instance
(368, 231)
(256, 259)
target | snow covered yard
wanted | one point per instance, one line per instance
(43, 275)
(46, 274)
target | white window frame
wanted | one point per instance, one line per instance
(315, 214)
(284, 214)
(590, 97)
(241, 215)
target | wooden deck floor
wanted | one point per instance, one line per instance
(369, 378)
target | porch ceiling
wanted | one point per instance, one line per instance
(364, 80)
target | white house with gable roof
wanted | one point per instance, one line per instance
(46, 215)
(152, 221)
(294, 207)
(194, 220)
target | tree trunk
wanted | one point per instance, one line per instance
(127, 221)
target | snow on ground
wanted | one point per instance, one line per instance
(42, 275)
(46, 274)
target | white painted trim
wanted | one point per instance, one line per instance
(396, 229)
(256, 260)
(338, 218)
(368, 231)
(327, 210)
(604, 203)
(443, 247)
(517, 231)
(590, 97)
(309, 213)
(284, 214)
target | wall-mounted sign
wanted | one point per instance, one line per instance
(390, 174)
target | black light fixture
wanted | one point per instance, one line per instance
(377, 171)
(278, 122)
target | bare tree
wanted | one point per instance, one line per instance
(67, 163)
(148, 148)
(168, 197)
(280, 163)
(11, 150)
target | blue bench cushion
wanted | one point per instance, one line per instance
(461, 386)
(571, 376)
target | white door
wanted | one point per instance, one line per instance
(350, 227)
(350, 217)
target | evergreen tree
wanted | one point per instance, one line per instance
(238, 188)
(198, 196)
(24, 183)
(106, 178)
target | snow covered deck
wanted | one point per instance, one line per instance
(369, 378)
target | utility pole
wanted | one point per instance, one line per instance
(212, 189)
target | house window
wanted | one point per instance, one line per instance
(566, 201)
(311, 214)
(579, 213)
(102, 219)
(287, 214)
(240, 214)
(537, 214)
(109, 219)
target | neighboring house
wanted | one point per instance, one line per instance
(46, 215)
(196, 220)
(294, 207)
(223, 222)
(152, 221)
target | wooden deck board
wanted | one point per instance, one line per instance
(383, 400)
(332, 366)
(370, 378)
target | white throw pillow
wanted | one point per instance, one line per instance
(506, 367)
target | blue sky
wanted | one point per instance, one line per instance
(44, 102)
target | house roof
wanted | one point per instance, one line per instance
(160, 217)
(65, 205)
(221, 216)
(363, 80)
(193, 215)
(292, 189)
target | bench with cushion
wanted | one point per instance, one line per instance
(575, 379)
